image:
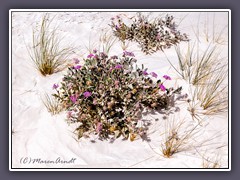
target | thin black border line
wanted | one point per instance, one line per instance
(130, 169)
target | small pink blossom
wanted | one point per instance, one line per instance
(145, 73)
(167, 77)
(127, 53)
(77, 67)
(73, 98)
(154, 74)
(55, 86)
(162, 87)
(118, 66)
(76, 60)
(87, 94)
(90, 55)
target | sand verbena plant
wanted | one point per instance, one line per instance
(47, 53)
(106, 95)
(151, 35)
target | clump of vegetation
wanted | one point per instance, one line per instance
(46, 53)
(107, 95)
(51, 104)
(207, 71)
(178, 138)
(152, 36)
(211, 163)
(214, 94)
(197, 66)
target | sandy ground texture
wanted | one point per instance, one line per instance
(37, 135)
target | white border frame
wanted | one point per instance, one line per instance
(117, 10)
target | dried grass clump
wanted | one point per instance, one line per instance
(152, 36)
(107, 40)
(198, 66)
(212, 32)
(214, 94)
(107, 95)
(208, 72)
(211, 162)
(46, 53)
(178, 137)
(52, 105)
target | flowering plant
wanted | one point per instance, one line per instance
(107, 95)
(160, 34)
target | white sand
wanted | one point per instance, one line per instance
(42, 136)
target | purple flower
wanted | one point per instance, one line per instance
(126, 53)
(99, 127)
(103, 55)
(87, 94)
(118, 66)
(90, 56)
(145, 73)
(95, 51)
(112, 18)
(116, 27)
(167, 77)
(77, 67)
(154, 74)
(162, 87)
(73, 98)
(76, 60)
(55, 86)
